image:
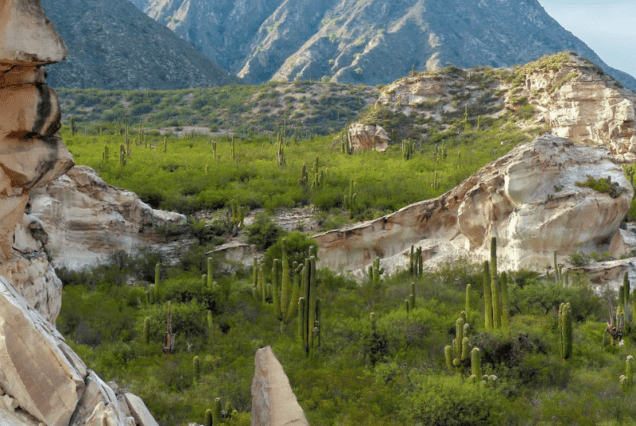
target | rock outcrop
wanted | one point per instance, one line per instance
(42, 381)
(365, 137)
(87, 219)
(273, 401)
(534, 200)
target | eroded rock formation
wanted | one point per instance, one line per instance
(365, 136)
(42, 381)
(87, 219)
(273, 401)
(531, 200)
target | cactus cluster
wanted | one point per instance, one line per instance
(374, 273)
(622, 310)
(304, 178)
(319, 176)
(495, 293)
(309, 308)
(350, 199)
(238, 214)
(347, 145)
(565, 330)
(416, 262)
(457, 353)
(408, 148)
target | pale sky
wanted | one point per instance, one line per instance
(607, 27)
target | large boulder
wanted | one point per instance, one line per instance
(367, 136)
(534, 200)
(86, 219)
(273, 401)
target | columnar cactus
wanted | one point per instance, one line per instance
(505, 302)
(309, 307)
(319, 176)
(122, 155)
(275, 295)
(350, 199)
(475, 364)
(408, 147)
(487, 296)
(208, 418)
(374, 273)
(626, 291)
(565, 329)
(280, 152)
(448, 354)
(157, 282)
(165, 145)
(467, 309)
(196, 362)
(146, 330)
(416, 264)
(210, 272)
(304, 178)
(216, 413)
(412, 297)
(214, 150)
(127, 142)
(296, 292)
(494, 284)
(238, 214)
(347, 145)
(626, 381)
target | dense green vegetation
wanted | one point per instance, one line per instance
(249, 173)
(391, 374)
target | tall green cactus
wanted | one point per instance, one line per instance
(216, 413)
(157, 282)
(275, 295)
(460, 348)
(196, 362)
(309, 307)
(304, 178)
(487, 297)
(350, 199)
(374, 273)
(165, 145)
(210, 272)
(280, 152)
(626, 292)
(505, 301)
(494, 285)
(208, 418)
(408, 148)
(296, 292)
(448, 354)
(412, 297)
(467, 309)
(416, 262)
(238, 214)
(347, 145)
(565, 329)
(319, 176)
(146, 336)
(627, 380)
(122, 155)
(475, 364)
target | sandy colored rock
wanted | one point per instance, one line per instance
(35, 279)
(273, 401)
(35, 110)
(35, 372)
(139, 411)
(26, 35)
(365, 137)
(528, 199)
(99, 406)
(86, 219)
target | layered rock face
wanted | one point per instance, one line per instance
(533, 200)
(42, 381)
(580, 102)
(87, 219)
(273, 401)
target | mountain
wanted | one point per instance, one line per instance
(112, 45)
(366, 41)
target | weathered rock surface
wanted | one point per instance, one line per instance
(87, 219)
(42, 381)
(273, 401)
(139, 410)
(528, 199)
(365, 137)
(580, 102)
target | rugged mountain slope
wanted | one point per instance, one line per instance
(368, 41)
(114, 46)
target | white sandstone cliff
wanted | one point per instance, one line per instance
(529, 199)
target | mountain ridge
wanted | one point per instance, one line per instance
(366, 41)
(103, 58)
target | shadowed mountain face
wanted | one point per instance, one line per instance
(112, 45)
(366, 41)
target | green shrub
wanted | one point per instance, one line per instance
(263, 233)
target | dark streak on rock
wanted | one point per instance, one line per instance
(44, 108)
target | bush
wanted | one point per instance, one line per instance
(447, 401)
(298, 245)
(263, 233)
